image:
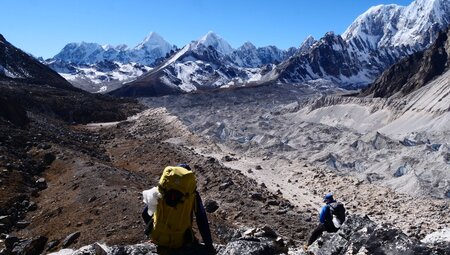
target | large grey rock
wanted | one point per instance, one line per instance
(254, 247)
(360, 235)
(70, 239)
(33, 246)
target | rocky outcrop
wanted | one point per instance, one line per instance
(252, 242)
(15, 246)
(413, 72)
(360, 235)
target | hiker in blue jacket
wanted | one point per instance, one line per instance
(326, 218)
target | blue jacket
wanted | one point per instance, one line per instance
(325, 214)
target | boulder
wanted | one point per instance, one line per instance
(52, 245)
(33, 246)
(253, 247)
(32, 206)
(41, 184)
(225, 185)
(70, 239)
(10, 241)
(211, 206)
(256, 196)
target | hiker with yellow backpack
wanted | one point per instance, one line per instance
(169, 209)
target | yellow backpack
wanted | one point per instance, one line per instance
(172, 221)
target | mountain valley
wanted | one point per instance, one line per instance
(268, 132)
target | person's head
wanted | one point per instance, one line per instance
(328, 198)
(185, 166)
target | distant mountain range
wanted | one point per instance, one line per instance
(374, 41)
(98, 68)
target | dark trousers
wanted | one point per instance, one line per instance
(317, 232)
(148, 221)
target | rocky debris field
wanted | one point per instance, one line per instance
(83, 185)
(274, 141)
(69, 186)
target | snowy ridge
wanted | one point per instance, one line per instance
(209, 63)
(94, 79)
(97, 68)
(147, 52)
(395, 26)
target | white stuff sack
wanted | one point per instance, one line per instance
(151, 198)
(336, 222)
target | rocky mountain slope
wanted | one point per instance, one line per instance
(34, 112)
(17, 65)
(413, 72)
(374, 41)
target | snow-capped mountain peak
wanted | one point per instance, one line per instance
(307, 43)
(81, 52)
(247, 46)
(108, 46)
(415, 25)
(152, 41)
(212, 39)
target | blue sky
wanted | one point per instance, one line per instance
(44, 27)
